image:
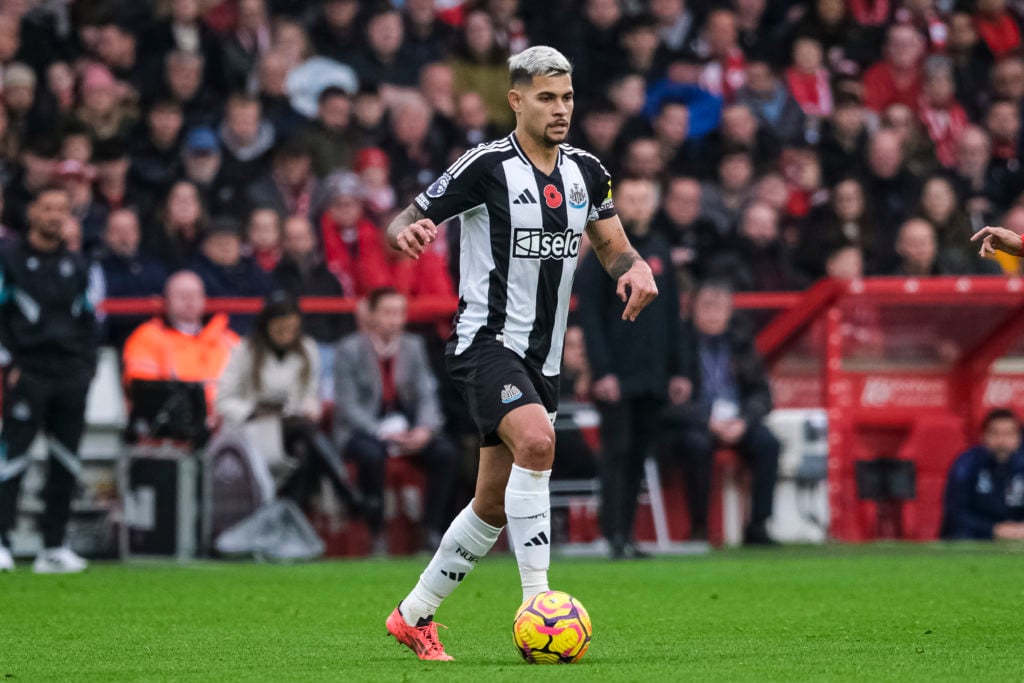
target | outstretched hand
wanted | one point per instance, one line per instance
(998, 239)
(636, 287)
(415, 237)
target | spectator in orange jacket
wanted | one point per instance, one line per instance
(178, 345)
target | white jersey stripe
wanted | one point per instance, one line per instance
(475, 268)
(583, 153)
(464, 162)
(523, 273)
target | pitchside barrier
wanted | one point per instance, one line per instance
(893, 374)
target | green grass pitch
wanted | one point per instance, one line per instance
(847, 613)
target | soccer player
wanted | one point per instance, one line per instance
(524, 202)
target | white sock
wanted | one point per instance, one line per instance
(528, 509)
(467, 540)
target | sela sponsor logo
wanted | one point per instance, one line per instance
(577, 196)
(903, 392)
(536, 244)
(511, 393)
(422, 202)
(439, 186)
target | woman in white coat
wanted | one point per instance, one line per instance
(275, 372)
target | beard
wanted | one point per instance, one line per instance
(50, 229)
(555, 137)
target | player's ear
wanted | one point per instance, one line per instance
(515, 100)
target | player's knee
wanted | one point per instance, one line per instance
(536, 451)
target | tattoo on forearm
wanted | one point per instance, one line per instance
(622, 263)
(407, 217)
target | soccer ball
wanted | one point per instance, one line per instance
(552, 628)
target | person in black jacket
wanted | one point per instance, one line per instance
(635, 365)
(47, 329)
(729, 401)
(302, 272)
(225, 272)
(121, 269)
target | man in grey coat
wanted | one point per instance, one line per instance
(387, 405)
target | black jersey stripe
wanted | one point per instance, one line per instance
(501, 244)
(556, 220)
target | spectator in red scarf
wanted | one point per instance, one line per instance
(353, 245)
(374, 171)
(997, 27)
(939, 111)
(897, 78)
(808, 79)
(724, 73)
(263, 238)
(290, 188)
(923, 16)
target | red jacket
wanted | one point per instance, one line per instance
(881, 88)
(811, 91)
(361, 266)
(426, 276)
(1000, 33)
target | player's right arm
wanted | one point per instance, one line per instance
(411, 232)
(455, 191)
(998, 239)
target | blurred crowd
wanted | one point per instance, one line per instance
(268, 141)
(263, 145)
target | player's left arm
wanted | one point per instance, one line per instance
(633, 277)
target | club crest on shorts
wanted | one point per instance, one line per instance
(510, 393)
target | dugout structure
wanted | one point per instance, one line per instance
(905, 369)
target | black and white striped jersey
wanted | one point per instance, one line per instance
(521, 232)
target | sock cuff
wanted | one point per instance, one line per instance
(522, 479)
(527, 493)
(481, 524)
(471, 533)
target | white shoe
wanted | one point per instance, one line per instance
(61, 560)
(6, 560)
